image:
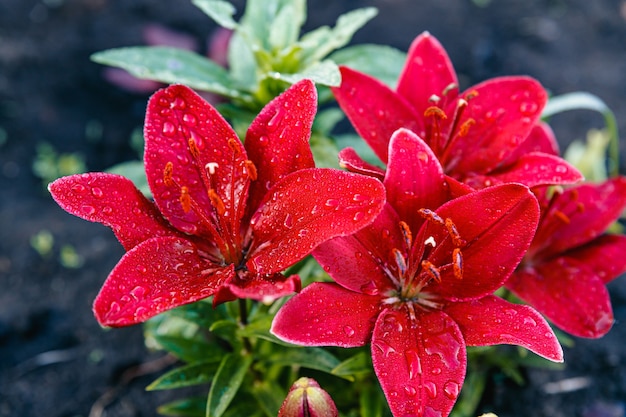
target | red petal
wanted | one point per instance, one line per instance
(277, 141)
(113, 201)
(354, 261)
(428, 71)
(185, 131)
(265, 288)
(350, 160)
(414, 177)
(497, 224)
(420, 363)
(504, 111)
(309, 207)
(596, 253)
(493, 321)
(568, 293)
(156, 275)
(325, 314)
(540, 139)
(374, 109)
(579, 215)
(534, 169)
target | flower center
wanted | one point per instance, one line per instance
(421, 265)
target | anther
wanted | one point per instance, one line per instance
(406, 233)
(431, 216)
(399, 258)
(251, 170)
(472, 94)
(465, 127)
(234, 146)
(454, 233)
(457, 263)
(449, 88)
(185, 199)
(562, 216)
(167, 174)
(193, 148)
(217, 202)
(431, 270)
(435, 112)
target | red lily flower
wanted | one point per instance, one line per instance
(565, 272)
(419, 287)
(480, 136)
(228, 218)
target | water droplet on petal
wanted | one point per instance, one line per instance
(410, 390)
(190, 119)
(114, 308)
(384, 347)
(332, 203)
(451, 390)
(179, 103)
(349, 331)
(169, 129)
(288, 221)
(78, 188)
(413, 362)
(107, 210)
(97, 192)
(528, 108)
(529, 321)
(431, 389)
(358, 216)
(88, 210)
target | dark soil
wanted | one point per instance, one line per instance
(54, 358)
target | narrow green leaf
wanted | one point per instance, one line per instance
(227, 330)
(257, 20)
(269, 396)
(201, 313)
(285, 28)
(226, 383)
(324, 73)
(171, 66)
(185, 376)
(382, 62)
(220, 11)
(372, 402)
(242, 62)
(585, 101)
(188, 407)
(190, 350)
(308, 357)
(357, 364)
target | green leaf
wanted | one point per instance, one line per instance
(269, 396)
(338, 37)
(285, 28)
(185, 376)
(242, 63)
(190, 350)
(227, 330)
(188, 407)
(308, 357)
(226, 383)
(201, 313)
(586, 101)
(220, 11)
(382, 62)
(171, 66)
(324, 151)
(134, 171)
(357, 364)
(324, 72)
(372, 402)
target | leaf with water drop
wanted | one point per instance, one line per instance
(185, 376)
(226, 383)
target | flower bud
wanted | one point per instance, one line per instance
(307, 399)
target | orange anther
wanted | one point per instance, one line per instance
(454, 233)
(406, 233)
(457, 263)
(562, 216)
(431, 270)
(217, 202)
(185, 199)
(234, 146)
(193, 148)
(471, 95)
(465, 127)
(167, 174)
(435, 112)
(251, 170)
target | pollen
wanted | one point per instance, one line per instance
(217, 202)
(435, 112)
(472, 94)
(193, 148)
(167, 174)
(406, 233)
(251, 170)
(431, 270)
(185, 199)
(431, 216)
(234, 146)
(399, 261)
(465, 127)
(454, 233)
(457, 263)
(562, 216)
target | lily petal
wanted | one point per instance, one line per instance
(568, 293)
(156, 275)
(264, 288)
(420, 363)
(605, 255)
(497, 234)
(540, 139)
(414, 177)
(492, 321)
(334, 316)
(375, 110)
(502, 111)
(277, 141)
(427, 72)
(190, 145)
(307, 208)
(113, 201)
(350, 160)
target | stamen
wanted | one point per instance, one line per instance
(399, 258)
(562, 216)
(454, 233)
(251, 170)
(465, 127)
(234, 146)
(431, 216)
(431, 270)
(434, 99)
(406, 233)
(457, 263)
(211, 167)
(435, 112)
(430, 241)
(471, 95)
(185, 199)
(449, 88)
(580, 207)
(193, 148)
(217, 202)
(167, 174)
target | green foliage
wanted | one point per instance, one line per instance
(50, 165)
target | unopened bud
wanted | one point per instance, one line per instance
(307, 399)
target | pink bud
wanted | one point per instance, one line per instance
(307, 398)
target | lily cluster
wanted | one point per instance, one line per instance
(470, 196)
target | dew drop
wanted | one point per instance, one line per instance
(384, 347)
(275, 120)
(179, 103)
(561, 169)
(303, 232)
(97, 192)
(369, 288)
(413, 362)
(88, 210)
(190, 119)
(358, 216)
(528, 108)
(529, 321)
(138, 292)
(107, 210)
(169, 129)
(451, 390)
(431, 389)
(114, 308)
(332, 203)
(263, 140)
(410, 390)
(140, 312)
(436, 371)
(349, 331)
(78, 188)
(288, 221)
